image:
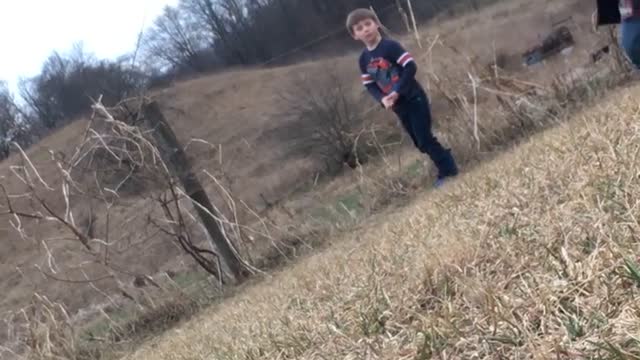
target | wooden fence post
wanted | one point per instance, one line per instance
(177, 160)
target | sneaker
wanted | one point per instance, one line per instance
(438, 184)
(447, 166)
(442, 179)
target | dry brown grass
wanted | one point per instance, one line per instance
(264, 154)
(532, 256)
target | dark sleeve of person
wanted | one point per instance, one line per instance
(403, 58)
(369, 82)
(608, 12)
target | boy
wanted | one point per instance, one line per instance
(388, 72)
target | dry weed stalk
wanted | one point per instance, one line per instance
(45, 328)
(126, 146)
(43, 209)
(50, 327)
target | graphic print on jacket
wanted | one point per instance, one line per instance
(383, 73)
(388, 68)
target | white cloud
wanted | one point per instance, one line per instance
(31, 29)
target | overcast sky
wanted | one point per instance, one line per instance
(31, 29)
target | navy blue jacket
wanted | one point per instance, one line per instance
(608, 12)
(387, 68)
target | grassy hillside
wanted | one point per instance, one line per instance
(236, 126)
(534, 255)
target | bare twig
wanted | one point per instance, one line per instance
(33, 168)
(85, 281)
(475, 109)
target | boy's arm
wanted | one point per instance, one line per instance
(372, 87)
(403, 58)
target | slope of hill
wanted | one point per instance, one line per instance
(266, 154)
(534, 255)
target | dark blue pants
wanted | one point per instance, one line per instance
(630, 39)
(415, 115)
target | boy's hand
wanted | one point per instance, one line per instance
(389, 100)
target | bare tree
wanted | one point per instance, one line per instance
(14, 126)
(7, 119)
(67, 86)
(255, 31)
(210, 15)
(174, 40)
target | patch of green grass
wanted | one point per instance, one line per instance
(433, 343)
(574, 327)
(616, 352)
(350, 205)
(103, 327)
(324, 214)
(415, 170)
(345, 207)
(186, 279)
(633, 270)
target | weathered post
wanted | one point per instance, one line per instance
(175, 157)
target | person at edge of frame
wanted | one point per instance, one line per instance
(626, 13)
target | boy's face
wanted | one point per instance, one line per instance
(366, 30)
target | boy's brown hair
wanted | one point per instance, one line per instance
(358, 15)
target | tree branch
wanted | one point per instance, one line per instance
(53, 277)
